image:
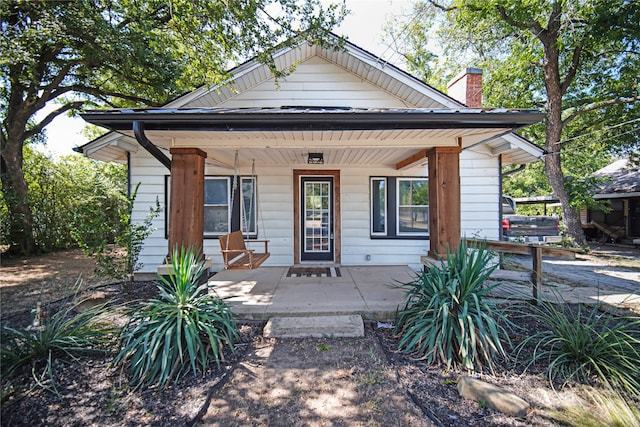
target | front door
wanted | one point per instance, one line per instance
(316, 221)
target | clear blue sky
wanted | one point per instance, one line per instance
(362, 27)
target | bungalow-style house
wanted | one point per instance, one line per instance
(346, 161)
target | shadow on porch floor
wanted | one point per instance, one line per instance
(267, 292)
(368, 291)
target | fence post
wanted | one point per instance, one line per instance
(536, 275)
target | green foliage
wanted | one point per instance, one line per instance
(67, 195)
(67, 333)
(180, 331)
(123, 53)
(579, 61)
(446, 317)
(579, 346)
(120, 259)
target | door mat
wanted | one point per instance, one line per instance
(314, 272)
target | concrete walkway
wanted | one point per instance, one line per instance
(590, 279)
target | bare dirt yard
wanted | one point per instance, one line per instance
(267, 382)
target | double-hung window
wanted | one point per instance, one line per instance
(225, 211)
(399, 207)
(217, 205)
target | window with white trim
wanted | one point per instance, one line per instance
(217, 205)
(399, 207)
(413, 207)
(249, 210)
(224, 212)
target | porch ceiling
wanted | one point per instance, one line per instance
(362, 147)
(284, 136)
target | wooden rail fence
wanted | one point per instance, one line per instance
(537, 252)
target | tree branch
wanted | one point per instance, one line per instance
(571, 74)
(442, 7)
(50, 91)
(52, 115)
(98, 92)
(597, 105)
(532, 26)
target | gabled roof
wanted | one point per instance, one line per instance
(417, 97)
(623, 178)
(356, 60)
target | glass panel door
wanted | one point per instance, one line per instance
(317, 219)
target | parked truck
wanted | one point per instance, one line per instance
(528, 228)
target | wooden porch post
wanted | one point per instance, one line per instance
(444, 200)
(186, 219)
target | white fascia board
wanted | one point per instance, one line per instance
(123, 142)
(524, 144)
(236, 73)
(405, 78)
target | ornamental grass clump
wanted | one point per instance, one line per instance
(586, 346)
(446, 318)
(600, 408)
(66, 334)
(179, 332)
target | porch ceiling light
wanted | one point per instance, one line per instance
(315, 159)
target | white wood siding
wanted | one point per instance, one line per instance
(150, 173)
(315, 82)
(479, 195)
(479, 217)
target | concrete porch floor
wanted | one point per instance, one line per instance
(267, 292)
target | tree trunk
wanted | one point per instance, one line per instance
(15, 190)
(552, 164)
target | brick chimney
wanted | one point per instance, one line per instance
(466, 87)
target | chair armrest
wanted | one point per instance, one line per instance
(266, 244)
(237, 250)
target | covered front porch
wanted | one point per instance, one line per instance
(267, 292)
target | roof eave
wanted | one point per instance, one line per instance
(342, 120)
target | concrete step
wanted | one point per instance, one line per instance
(314, 326)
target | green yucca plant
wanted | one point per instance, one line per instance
(582, 346)
(180, 331)
(67, 333)
(446, 317)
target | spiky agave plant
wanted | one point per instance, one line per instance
(446, 318)
(182, 330)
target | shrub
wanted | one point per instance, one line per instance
(120, 259)
(446, 318)
(180, 331)
(66, 333)
(580, 347)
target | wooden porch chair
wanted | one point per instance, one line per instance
(235, 254)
